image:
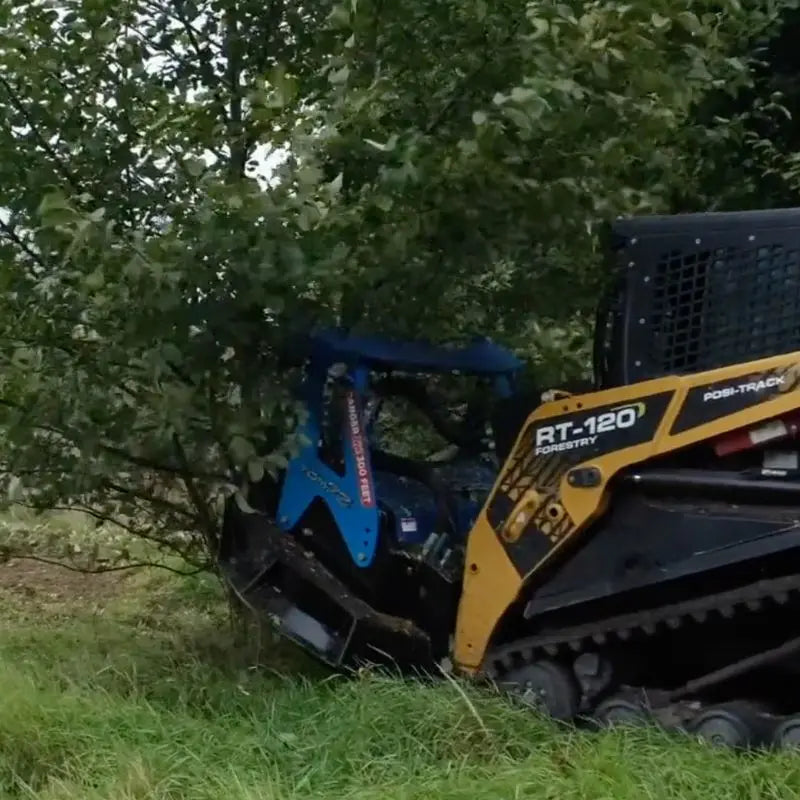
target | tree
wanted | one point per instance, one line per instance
(439, 168)
(145, 271)
(487, 144)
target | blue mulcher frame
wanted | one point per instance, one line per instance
(351, 497)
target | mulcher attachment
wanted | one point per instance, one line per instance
(276, 578)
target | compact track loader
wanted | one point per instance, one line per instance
(630, 553)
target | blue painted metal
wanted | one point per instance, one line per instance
(352, 498)
(481, 357)
(414, 504)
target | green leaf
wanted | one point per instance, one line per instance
(660, 22)
(339, 16)
(700, 72)
(277, 461)
(241, 450)
(95, 279)
(520, 118)
(14, 489)
(335, 186)
(479, 117)
(255, 469)
(690, 21)
(600, 69)
(386, 147)
(340, 75)
(133, 267)
(540, 26)
(242, 504)
(522, 94)
(105, 35)
(195, 166)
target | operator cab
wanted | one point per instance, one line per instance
(386, 447)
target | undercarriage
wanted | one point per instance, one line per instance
(713, 648)
(655, 666)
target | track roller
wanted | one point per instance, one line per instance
(546, 686)
(787, 734)
(620, 710)
(734, 725)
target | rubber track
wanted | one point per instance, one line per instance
(746, 598)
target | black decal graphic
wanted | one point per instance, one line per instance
(601, 430)
(547, 450)
(720, 399)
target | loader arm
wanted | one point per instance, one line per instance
(555, 482)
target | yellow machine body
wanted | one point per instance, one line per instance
(538, 508)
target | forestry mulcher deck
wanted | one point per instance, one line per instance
(627, 553)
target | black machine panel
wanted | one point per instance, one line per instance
(699, 291)
(720, 399)
(646, 543)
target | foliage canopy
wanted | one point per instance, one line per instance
(185, 183)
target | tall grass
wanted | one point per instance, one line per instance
(142, 693)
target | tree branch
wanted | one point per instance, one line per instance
(460, 87)
(169, 469)
(43, 143)
(209, 524)
(139, 461)
(204, 62)
(13, 236)
(236, 139)
(99, 570)
(127, 491)
(133, 531)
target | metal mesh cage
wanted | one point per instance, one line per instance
(699, 291)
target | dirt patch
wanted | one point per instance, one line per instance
(47, 583)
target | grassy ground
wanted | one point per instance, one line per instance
(130, 687)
